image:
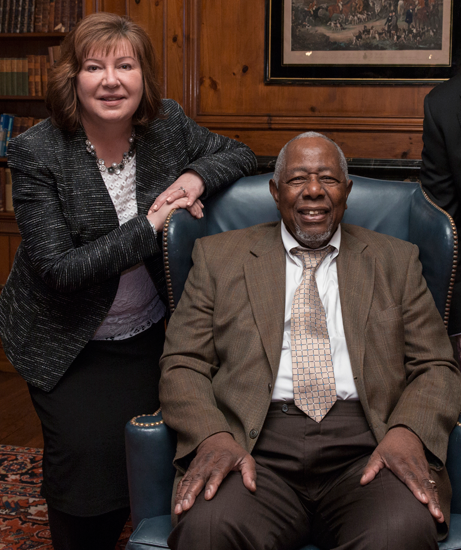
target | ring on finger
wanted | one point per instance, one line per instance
(182, 189)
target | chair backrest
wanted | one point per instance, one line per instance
(400, 209)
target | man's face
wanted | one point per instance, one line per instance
(312, 191)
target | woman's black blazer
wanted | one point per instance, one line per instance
(67, 268)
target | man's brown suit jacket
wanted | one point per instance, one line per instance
(224, 341)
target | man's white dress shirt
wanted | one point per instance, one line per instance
(327, 283)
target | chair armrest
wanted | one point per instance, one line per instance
(453, 467)
(150, 449)
(434, 231)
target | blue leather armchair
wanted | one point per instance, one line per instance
(395, 208)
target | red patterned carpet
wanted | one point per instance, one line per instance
(23, 514)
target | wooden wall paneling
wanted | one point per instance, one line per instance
(112, 6)
(227, 92)
(192, 82)
(360, 144)
(274, 122)
(175, 43)
(150, 14)
(89, 6)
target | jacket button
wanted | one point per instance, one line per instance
(285, 408)
(270, 387)
(254, 434)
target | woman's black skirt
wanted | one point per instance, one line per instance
(83, 421)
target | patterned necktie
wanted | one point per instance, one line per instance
(314, 386)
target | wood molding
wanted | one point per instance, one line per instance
(350, 124)
(192, 12)
(355, 144)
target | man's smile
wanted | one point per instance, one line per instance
(313, 214)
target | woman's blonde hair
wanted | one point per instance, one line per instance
(101, 32)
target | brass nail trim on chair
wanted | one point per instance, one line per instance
(166, 261)
(134, 421)
(455, 257)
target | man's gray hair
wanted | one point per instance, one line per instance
(281, 159)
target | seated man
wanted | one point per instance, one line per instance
(310, 380)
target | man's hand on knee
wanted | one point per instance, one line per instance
(216, 456)
(402, 452)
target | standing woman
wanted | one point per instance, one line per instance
(81, 315)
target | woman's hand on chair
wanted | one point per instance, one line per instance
(188, 186)
(158, 217)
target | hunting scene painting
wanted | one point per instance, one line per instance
(413, 32)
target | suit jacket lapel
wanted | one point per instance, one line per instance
(265, 279)
(90, 182)
(265, 275)
(82, 173)
(154, 169)
(356, 274)
(145, 179)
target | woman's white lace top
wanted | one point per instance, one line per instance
(137, 306)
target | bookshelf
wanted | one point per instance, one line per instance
(31, 29)
(19, 45)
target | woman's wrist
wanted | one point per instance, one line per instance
(152, 224)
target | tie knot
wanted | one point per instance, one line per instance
(312, 258)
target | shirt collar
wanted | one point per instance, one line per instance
(289, 242)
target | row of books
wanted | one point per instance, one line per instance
(24, 76)
(39, 15)
(11, 126)
(6, 190)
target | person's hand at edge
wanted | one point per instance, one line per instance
(158, 217)
(189, 185)
(216, 456)
(402, 452)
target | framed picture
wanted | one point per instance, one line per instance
(361, 41)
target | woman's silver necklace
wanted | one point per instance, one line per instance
(115, 168)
